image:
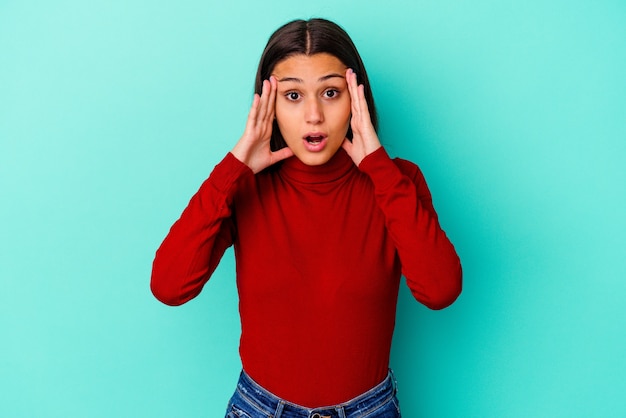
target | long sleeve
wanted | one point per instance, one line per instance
(429, 261)
(196, 242)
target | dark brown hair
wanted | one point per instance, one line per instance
(310, 37)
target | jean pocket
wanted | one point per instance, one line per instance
(236, 412)
(390, 409)
(396, 403)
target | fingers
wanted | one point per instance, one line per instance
(347, 146)
(272, 98)
(254, 110)
(357, 95)
(263, 101)
(353, 87)
(353, 90)
(267, 101)
(281, 154)
(262, 110)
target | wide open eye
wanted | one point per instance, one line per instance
(292, 96)
(331, 93)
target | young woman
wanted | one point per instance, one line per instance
(323, 223)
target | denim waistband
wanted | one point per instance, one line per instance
(271, 405)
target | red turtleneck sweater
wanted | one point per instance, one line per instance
(319, 253)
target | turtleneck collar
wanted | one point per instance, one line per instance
(336, 168)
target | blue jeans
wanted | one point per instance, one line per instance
(253, 401)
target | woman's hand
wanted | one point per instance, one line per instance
(253, 148)
(364, 140)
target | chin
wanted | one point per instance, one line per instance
(313, 160)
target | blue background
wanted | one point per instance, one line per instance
(113, 112)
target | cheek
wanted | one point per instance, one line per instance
(343, 115)
(285, 121)
(283, 116)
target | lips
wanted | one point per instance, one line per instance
(314, 137)
(315, 141)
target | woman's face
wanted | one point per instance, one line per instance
(312, 105)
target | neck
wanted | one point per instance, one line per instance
(334, 169)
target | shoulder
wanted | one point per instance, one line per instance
(409, 169)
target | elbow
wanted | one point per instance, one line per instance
(173, 288)
(442, 301)
(164, 293)
(173, 292)
(446, 293)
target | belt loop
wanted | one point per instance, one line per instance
(340, 412)
(279, 409)
(394, 382)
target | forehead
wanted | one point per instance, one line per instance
(309, 67)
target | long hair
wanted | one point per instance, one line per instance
(311, 37)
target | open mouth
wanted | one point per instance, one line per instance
(314, 139)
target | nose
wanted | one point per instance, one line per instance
(313, 111)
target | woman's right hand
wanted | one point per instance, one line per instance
(253, 148)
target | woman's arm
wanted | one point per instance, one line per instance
(429, 261)
(197, 240)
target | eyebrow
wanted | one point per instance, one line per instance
(321, 79)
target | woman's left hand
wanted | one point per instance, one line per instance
(364, 139)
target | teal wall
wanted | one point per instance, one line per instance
(113, 112)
